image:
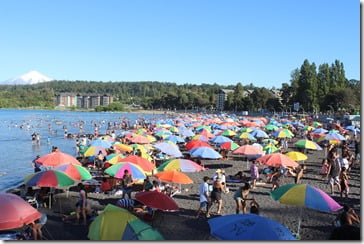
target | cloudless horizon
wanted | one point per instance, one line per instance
(189, 41)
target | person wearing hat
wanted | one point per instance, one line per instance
(220, 173)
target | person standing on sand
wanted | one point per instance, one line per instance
(334, 171)
(204, 197)
(241, 197)
(81, 204)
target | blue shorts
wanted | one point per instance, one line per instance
(203, 204)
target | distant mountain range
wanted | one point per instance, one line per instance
(30, 78)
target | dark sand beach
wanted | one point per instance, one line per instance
(182, 225)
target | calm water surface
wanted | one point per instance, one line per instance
(16, 147)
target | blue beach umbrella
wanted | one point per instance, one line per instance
(248, 227)
(205, 152)
(319, 131)
(169, 149)
(259, 134)
(175, 139)
(100, 143)
(220, 139)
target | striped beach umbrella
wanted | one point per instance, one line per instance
(231, 146)
(117, 170)
(48, 178)
(76, 172)
(183, 165)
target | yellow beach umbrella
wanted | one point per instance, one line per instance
(296, 156)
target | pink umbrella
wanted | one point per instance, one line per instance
(15, 212)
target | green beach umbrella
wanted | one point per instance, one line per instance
(48, 178)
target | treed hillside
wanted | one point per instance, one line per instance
(321, 89)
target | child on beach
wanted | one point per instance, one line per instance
(204, 197)
(241, 197)
(344, 182)
(254, 172)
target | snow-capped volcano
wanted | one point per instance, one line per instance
(30, 78)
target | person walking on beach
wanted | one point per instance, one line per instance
(334, 171)
(217, 188)
(204, 197)
(344, 182)
(81, 204)
(37, 227)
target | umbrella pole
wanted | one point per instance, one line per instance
(299, 223)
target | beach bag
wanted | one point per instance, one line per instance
(324, 170)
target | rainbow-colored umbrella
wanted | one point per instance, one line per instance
(305, 195)
(117, 170)
(307, 144)
(116, 223)
(76, 172)
(285, 133)
(183, 165)
(229, 146)
(270, 148)
(48, 178)
(228, 133)
(114, 158)
(93, 151)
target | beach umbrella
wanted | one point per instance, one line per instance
(271, 127)
(173, 176)
(246, 129)
(16, 212)
(319, 131)
(114, 158)
(169, 149)
(277, 160)
(307, 144)
(296, 156)
(56, 159)
(123, 147)
(228, 133)
(196, 143)
(117, 170)
(248, 227)
(183, 165)
(270, 148)
(305, 195)
(140, 139)
(93, 151)
(157, 200)
(284, 133)
(205, 152)
(48, 178)
(116, 223)
(101, 143)
(220, 139)
(203, 127)
(76, 172)
(206, 133)
(248, 150)
(334, 136)
(143, 163)
(259, 134)
(174, 129)
(200, 138)
(175, 139)
(246, 135)
(229, 146)
(186, 132)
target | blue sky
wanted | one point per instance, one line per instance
(189, 41)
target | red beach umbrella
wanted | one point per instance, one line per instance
(157, 200)
(196, 143)
(277, 160)
(15, 212)
(56, 159)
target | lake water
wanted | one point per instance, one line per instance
(16, 147)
